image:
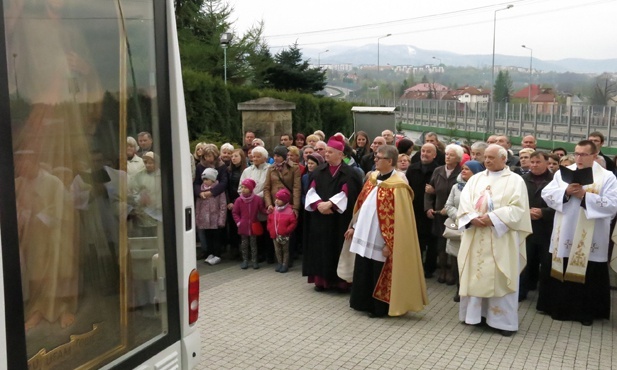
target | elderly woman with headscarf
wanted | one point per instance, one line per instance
(450, 209)
(437, 191)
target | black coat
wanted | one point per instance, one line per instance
(440, 159)
(610, 164)
(418, 176)
(543, 227)
(367, 162)
(442, 184)
(222, 178)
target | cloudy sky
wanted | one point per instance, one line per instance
(554, 29)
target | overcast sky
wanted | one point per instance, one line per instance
(554, 29)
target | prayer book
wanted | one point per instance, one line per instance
(583, 176)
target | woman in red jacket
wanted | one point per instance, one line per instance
(281, 223)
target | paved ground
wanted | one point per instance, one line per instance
(260, 319)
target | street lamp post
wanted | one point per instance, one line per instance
(530, 71)
(225, 41)
(319, 57)
(379, 38)
(492, 103)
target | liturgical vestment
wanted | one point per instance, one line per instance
(491, 258)
(383, 216)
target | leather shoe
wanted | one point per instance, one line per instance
(374, 315)
(587, 322)
(319, 288)
(506, 333)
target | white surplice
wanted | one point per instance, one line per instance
(367, 240)
(600, 206)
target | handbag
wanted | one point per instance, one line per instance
(257, 229)
(451, 231)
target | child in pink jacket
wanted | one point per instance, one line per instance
(281, 223)
(245, 211)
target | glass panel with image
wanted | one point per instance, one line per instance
(88, 199)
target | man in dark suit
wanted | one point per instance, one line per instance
(541, 222)
(431, 137)
(419, 175)
(598, 139)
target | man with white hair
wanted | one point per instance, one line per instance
(134, 164)
(477, 151)
(529, 141)
(389, 136)
(494, 214)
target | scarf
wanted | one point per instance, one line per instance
(278, 166)
(460, 183)
(247, 198)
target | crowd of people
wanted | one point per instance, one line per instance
(376, 219)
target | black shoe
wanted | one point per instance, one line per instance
(374, 315)
(428, 275)
(506, 333)
(457, 298)
(587, 322)
(522, 297)
(319, 288)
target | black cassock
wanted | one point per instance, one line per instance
(324, 234)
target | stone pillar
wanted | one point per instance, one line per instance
(268, 118)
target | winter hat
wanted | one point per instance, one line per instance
(249, 183)
(474, 166)
(281, 150)
(404, 145)
(337, 142)
(316, 157)
(209, 174)
(283, 195)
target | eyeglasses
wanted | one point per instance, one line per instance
(379, 158)
(319, 149)
(583, 155)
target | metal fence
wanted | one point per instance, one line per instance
(559, 122)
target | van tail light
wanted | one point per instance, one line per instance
(193, 296)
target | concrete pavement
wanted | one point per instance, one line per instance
(260, 319)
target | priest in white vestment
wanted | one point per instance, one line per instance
(577, 281)
(494, 214)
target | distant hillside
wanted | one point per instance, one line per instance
(409, 55)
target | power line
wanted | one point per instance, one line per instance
(438, 28)
(424, 17)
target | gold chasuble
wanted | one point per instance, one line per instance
(401, 283)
